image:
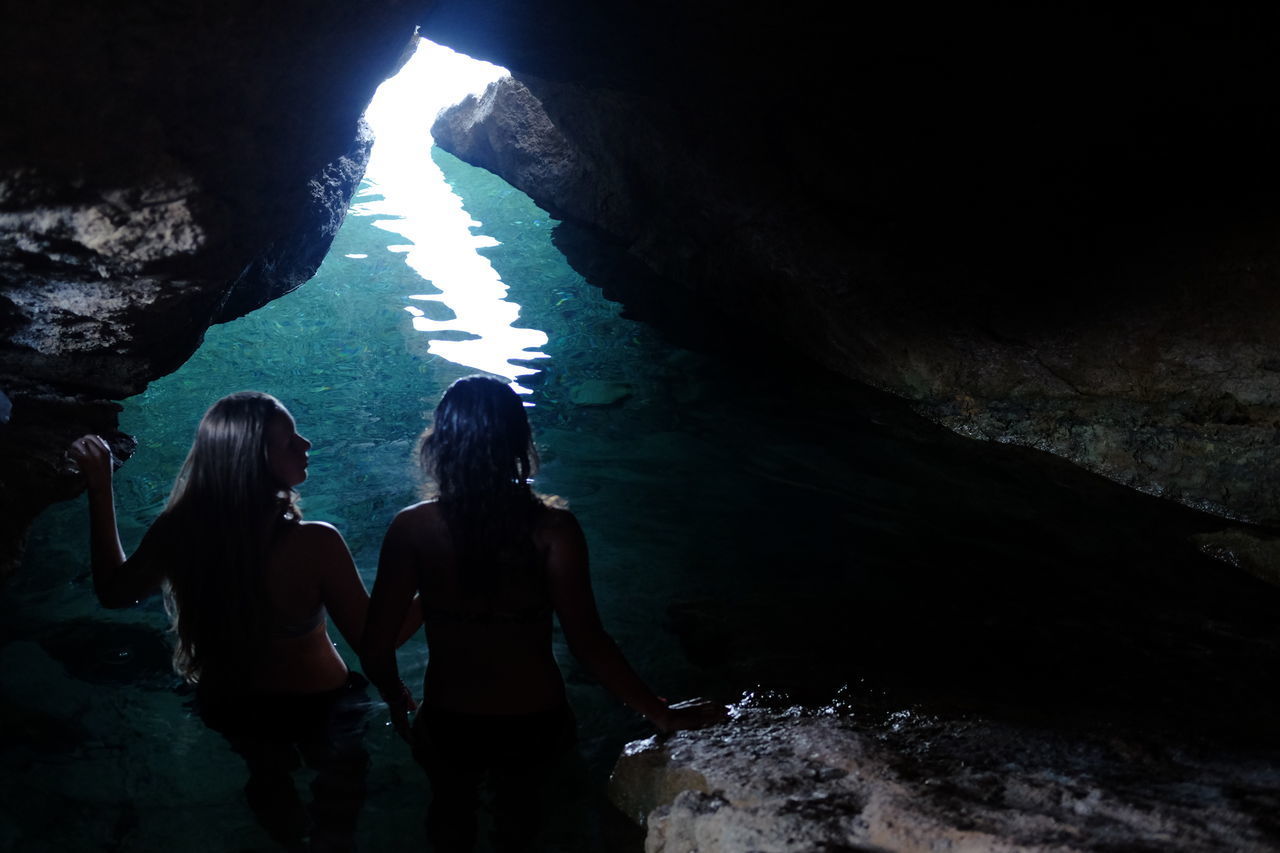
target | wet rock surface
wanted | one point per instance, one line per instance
(161, 169)
(505, 130)
(837, 778)
(1111, 692)
(945, 206)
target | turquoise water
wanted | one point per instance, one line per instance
(343, 355)
(756, 528)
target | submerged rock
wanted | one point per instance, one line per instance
(599, 392)
(913, 782)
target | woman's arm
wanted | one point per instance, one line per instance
(118, 581)
(342, 591)
(412, 621)
(341, 588)
(393, 597)
(575, 605)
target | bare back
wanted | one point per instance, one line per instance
(489, 653)
(304, 576)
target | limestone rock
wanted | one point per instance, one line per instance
(1067, 273)
(506, 131)
(159, 173)
(1254, 551)
(910, 782)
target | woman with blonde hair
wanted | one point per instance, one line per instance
(492, 562)
(248, 585)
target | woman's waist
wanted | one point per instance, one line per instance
(494, 690)
(485, 659)
(250, 688)
(445, 737)
(553, 710)
(535, 614)
(505, 638)
(242, 708)
(308, 664)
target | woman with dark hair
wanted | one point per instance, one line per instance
(492, 561)
(247, 584)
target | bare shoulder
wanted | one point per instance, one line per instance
(419, 513)
(556, 526)
(313, 537)
(319, 529)
(419, 516)
(308, 552)
(557, 518)
(417, 524)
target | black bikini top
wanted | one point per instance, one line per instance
(300, 628)
(530, 615)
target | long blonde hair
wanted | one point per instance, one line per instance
(222, 515)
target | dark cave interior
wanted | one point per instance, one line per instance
(1055, 229)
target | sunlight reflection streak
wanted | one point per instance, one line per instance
(409, 192)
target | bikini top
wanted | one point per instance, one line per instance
(530, 615)
(299, 628)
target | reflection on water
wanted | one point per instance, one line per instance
(471, 321)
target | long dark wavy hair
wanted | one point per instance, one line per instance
(479, 453)
(223, 512)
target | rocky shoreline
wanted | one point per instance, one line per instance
(839, 779)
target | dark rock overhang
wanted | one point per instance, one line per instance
(1054, 228)
(162, 167)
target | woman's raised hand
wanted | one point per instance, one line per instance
(93, 457)
(114, 588)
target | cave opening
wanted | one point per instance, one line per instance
(463, 308)
(760, 530)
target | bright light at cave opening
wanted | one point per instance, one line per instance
(409, 190)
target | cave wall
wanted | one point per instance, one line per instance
(1050, 227)
(163, 166)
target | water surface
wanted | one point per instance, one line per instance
(755, 526)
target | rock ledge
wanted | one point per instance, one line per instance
(910, 781)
